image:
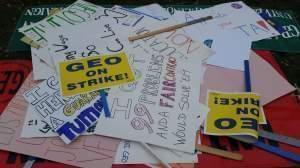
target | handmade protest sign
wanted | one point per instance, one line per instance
(38, 33)
(78, 12)
(94, 73)
(83, 12)
(161, 107)
(233, 114)
(86, 151)
(49, 104)
(34, 126)
(233, 15)
(67, 44)
(101, 36)
(130, 152)
(286, 42)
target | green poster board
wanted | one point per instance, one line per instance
(288, 41)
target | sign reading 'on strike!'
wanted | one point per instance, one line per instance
(94, 73)
(234, 114)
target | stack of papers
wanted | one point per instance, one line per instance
(96, 98)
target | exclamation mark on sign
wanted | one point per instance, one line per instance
(216, 100)
(126, 75)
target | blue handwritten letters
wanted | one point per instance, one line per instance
(86, 118)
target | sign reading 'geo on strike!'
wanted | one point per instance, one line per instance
(94, 73)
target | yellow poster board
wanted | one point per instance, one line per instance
(94, 73)
(233, 114)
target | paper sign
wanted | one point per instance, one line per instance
(41, 70)
(234, 15)
(285, 42)
(68, 44)
(86, 151)
(34, 126)
(133, 153)
(101, 37)
(72, 16)
(233, 114)
(94, 73)
(161, 107)
(47, 102)
(78, 12)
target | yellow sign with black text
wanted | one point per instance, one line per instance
(94, 73)
(233, 114)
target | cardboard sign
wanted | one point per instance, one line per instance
(86, 151)
(47, 102)
(94, 73)
(233, 114)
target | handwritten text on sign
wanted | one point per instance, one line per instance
(94, 73)
(78, 12)
(233, 113)
(49, 105)
(161, 107)
(87, 151)
(35, 126)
